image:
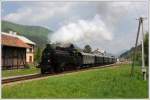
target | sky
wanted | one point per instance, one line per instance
(110, 25)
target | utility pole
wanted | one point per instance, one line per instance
(143, 59)
(135, 50)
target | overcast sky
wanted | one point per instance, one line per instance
(111, 26)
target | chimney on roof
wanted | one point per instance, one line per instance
(10, 32)
(13, 33)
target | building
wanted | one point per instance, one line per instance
(31, 44)
(29, 51)
(13, 52)
(99, 52)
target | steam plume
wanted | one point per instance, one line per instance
(82, 30)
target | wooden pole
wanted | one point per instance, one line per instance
(135, 49)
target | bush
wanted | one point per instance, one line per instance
(29, 66)
(38, 53)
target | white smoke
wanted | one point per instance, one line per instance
(82, 31)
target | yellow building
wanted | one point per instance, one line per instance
(29, 51)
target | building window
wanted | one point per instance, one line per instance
(30, 58)
(30, 50)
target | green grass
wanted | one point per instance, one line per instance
(16, 72)
(95, 83)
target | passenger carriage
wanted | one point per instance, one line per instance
(87, 59)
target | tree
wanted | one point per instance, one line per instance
(38, 55)
(146, 52)
(146, 46)
(87, 49)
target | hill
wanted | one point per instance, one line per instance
(37, 34)
(129, 53)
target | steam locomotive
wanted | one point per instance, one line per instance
(59, 59)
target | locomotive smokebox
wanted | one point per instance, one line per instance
(49, 48)
(48, 45)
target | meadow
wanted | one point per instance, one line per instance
(17, 72)
(114, 82)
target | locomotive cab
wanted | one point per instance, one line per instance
(46, 59)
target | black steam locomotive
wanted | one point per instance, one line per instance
(60, 59)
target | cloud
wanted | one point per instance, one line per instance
(37, 12)
(19, 15)
(115, 12)
(84, 31)
(114, 27)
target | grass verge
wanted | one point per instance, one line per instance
(16, 72)
(96, 83)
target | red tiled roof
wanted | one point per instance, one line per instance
(13, 41)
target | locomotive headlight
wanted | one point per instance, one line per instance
(48, 60)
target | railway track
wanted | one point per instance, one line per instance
(34, 76)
